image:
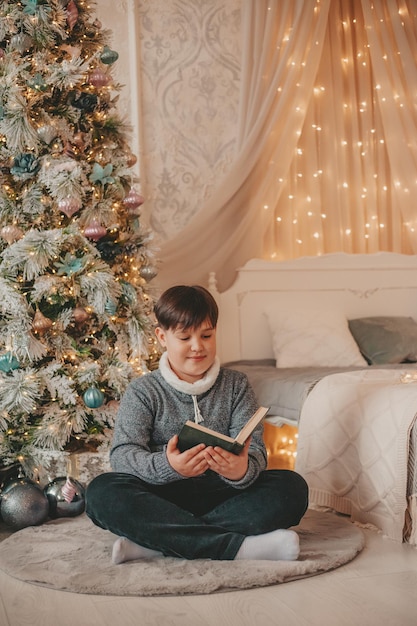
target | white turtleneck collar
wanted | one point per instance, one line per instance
(193, 389)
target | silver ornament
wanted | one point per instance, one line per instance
(47, 132)
(14, 481)
(23, 505)
(148, 272)
(66, 497)
(21, 42)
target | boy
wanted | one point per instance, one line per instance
(204, 502)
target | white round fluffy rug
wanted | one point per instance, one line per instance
(71, 554)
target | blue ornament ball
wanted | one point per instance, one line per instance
(23, 505)
(66, 497)
(8, 362)
(93, 398)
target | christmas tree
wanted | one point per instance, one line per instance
(75, 304)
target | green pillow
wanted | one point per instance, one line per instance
(386, 339)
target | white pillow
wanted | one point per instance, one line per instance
(312, 338)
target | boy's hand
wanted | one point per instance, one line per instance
(189, 463)
(226, 464)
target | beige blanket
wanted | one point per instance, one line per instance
(353, 446)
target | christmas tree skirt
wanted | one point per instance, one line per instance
(71, 554)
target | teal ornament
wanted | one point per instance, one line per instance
(25, 166)
(37, 83)
(69, 265)
(31, 7)
(93, 398)
(111, 307)
(129, 294)
(101, 174)
(8, 362)
(108, 56)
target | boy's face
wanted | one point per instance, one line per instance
(190, 352)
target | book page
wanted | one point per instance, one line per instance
(251, 424)
(204, 429)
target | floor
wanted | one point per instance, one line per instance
(378, 588)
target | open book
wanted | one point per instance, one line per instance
(192, 434)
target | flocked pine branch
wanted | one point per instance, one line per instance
(33, 253)
(19, 391)
(57, 426)
(75, 262)
(44, 30)
(59, 385)
(63, 178)
(17, 126)
(67, 73)
(31, 201)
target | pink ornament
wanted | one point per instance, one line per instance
(95, 231)
(133, 200)
(69, 206)
(131, 160)
(41, 324)
(69, 150)
(98, 78)
(11, 233)
(80, 315)
(79, 140)
(72, 14)
(68, 490)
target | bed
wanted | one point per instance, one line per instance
(330, 344)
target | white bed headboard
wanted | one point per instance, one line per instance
(384, 283)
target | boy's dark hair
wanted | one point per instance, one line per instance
(186, 307)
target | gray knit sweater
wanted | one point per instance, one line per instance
(152, 411)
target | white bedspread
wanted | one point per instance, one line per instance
(353, 446)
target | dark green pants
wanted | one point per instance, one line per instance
(196, 518)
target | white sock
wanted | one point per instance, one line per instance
(278, 545)
(126, 550)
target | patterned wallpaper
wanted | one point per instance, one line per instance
(186, 55)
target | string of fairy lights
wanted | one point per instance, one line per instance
(345, 190)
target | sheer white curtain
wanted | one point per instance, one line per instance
(326, 156)
(277, 80)
(392, 35)
(352, 178)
